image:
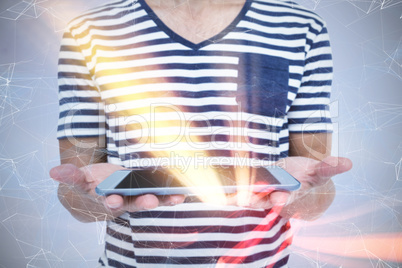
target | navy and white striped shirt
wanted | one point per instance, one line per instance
(232, 99)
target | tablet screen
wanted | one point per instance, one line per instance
(153, 178)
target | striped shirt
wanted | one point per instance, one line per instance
(163, 101)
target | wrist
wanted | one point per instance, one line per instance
(309, 204)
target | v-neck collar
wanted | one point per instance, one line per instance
(195, 46)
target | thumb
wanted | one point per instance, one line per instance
(68, 174)
(332, 166)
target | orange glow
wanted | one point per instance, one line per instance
(385, 246)
(242, 175)
(160, 133)
(347, 214)
(242, 178)
(195, 176)
(201, 179)
(247, 244)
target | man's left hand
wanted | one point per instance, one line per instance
(317, 190)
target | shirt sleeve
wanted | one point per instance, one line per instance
(309, 112)
(81, 107)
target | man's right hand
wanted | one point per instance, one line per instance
(77, 193)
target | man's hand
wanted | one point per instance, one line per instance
(317, 189)
(77, 193)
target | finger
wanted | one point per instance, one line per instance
(255, 200)
(279, 198)
(69, 174)
(269, 200)
(258, 201)
(171, 200)
(332, 166)
(232, 200)
(114, 202)
(143, 202)
(97, 172)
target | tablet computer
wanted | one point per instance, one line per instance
(162, 181)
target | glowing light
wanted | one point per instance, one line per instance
(384, 246)
(231, 258)
(162, 133)
(200, 179)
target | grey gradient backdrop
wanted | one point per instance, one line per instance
(365, 220)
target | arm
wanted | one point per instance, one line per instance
(82, 169)
(317, 189)
(86, 151)
(317, 146)
(311, 202)
(83, 207)
(310, 160)
(83, 163)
